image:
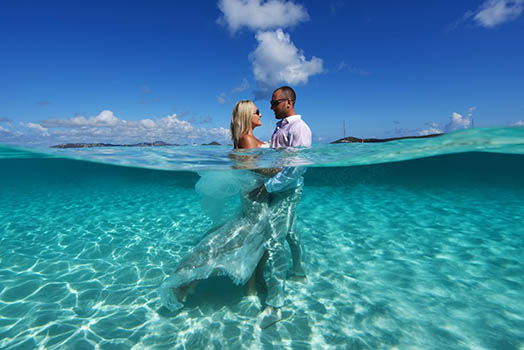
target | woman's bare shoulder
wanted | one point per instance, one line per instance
(248, 141)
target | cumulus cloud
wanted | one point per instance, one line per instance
(108, 128)
(494, 12)
(432, 128)
(38, 128)
(519, 123)
(104, 119)
(220, 133)
(147, 123)
(458, 122)
(260, 15)
(277, 60)
(2, 129)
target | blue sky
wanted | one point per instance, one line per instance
(172, 70)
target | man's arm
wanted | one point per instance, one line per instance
(290, 177)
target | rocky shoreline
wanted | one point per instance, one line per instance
(141, 144)
(351, 139)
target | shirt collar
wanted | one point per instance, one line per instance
(290, 119)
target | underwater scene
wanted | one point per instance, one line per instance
(411, 244)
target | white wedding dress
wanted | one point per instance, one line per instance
(231, 249)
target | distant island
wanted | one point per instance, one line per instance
(351, 139)
(141, 144)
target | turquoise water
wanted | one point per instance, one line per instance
(414, 244)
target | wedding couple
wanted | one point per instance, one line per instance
(241, 247)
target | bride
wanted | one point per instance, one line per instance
(236, 248)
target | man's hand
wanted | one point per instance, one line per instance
(259, 194)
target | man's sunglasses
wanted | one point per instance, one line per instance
(276, 102)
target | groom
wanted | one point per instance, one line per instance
(285, 191)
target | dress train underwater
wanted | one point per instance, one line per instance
(232, 248)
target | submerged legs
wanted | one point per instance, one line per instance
(257, 281)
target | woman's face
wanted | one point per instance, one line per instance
(255, 120)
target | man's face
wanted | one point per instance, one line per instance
(279, 105)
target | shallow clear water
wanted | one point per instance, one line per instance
(423, 253)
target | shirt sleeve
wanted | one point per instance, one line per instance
(290, 177)
(300, 135)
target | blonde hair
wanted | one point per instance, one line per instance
(241, 120)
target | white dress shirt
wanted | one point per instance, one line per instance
(290, 132)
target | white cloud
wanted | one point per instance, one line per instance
(2, 129)
(519, 123)
(104, 119)
(458, 122)
(106, 127)
(221, 133)
(433, 128)
(172, 124)
(277, 60)
(257, 14)
(494, 12)
(37, 127)
(148, 123)
(242, 87)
